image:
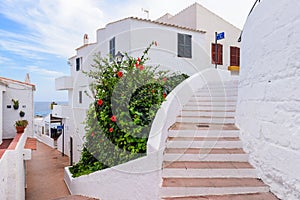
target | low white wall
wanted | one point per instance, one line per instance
(141, 178)
(12, 174)
(268, 109)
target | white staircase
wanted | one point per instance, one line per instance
(204, 155)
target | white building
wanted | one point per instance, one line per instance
(23, 93)
(185, 44)
(12, 158)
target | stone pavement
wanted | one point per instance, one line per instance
(45, 175)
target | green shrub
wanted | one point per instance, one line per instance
(118, 123)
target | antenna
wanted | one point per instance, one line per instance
(146, 11)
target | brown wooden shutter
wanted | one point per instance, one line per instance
(234, 56)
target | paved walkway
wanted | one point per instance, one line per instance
(45, 172)
(45, 175)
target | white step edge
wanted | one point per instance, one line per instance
(201, 191)
(212, 98)
(216, 108)
(208, 114)
(211, 104)
(207, 157)
(208, 173)
(204, 133)
(205, 144)
(206, 120)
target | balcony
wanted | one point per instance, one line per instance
(61, 111)
(64, 83)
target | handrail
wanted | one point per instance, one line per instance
(256, 2)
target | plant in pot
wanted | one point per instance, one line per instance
(22, 113)
(21, 125)
(15, 104)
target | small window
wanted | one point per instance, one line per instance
(234, 56)
(80, 97)
(112, 49)
(219, 54)
(184, 45)
(78, 63)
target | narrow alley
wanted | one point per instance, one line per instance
(45, 175)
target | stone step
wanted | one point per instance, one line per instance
(203, 139)
(213, 98)
(212, 104)
(204, 133)
(208, 173)
(181, 187)
(208, 113)
(197, 107)
(203, 119)
(207, 165)
(206, 157)
(256, 196)
(204, 151)
(204, 144)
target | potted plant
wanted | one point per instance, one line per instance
(22, 113)
(15, 104)
(21, 125)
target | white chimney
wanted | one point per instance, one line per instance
(27, 78)
(85, 39)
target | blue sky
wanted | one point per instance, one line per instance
(38, 36)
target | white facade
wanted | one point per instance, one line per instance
(21, 91)
(199, 18)
(12, 174)
(133, 35)
(268, 110)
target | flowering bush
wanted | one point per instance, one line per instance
(127, 97)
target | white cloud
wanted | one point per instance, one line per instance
(44, 72)
(58, 26)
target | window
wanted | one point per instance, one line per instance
(78, 63)
(234, 56)
(80, 97)
(184, 44)
(112, 49)
(219, 54)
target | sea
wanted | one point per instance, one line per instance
(42, 108)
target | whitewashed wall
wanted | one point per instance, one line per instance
(268, 111)
(12, 173)
(200, 18)
(24, 94)
(2, 89)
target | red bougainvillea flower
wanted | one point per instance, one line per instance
(100, 102)
(120, 74)
(111, 130)
(155, 43)
(113, 118)
(141, 67)
(137, 65)
(165, 95)
(165, 79)
(93, 134)
(139, 60)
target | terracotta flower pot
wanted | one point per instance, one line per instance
(20, 129)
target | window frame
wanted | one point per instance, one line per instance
(112, 49)
(80, 97)
(184, 45)
(234, 56)
(219, 53)
(78, 63)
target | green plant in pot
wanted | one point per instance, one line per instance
(15, 104)
(22, 113)
(21, 125)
